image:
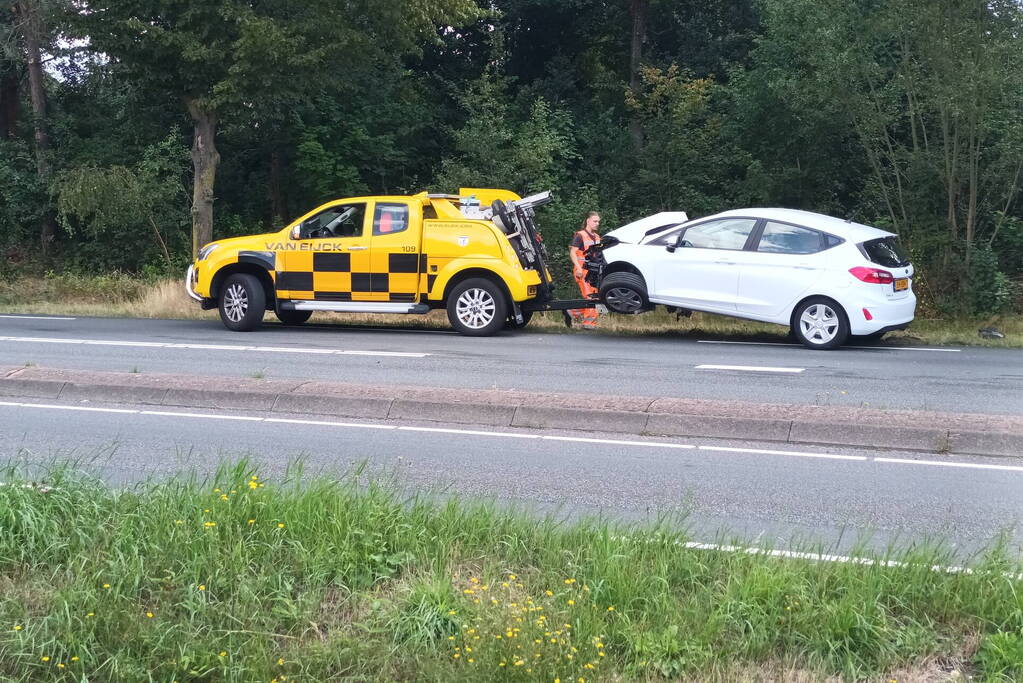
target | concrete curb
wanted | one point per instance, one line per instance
(835, 426)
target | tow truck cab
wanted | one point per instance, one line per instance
(477, 254)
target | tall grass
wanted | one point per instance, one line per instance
(240, 578)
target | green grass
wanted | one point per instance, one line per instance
(244, 579)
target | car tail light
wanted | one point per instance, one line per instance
(872, 275)
(866, 314)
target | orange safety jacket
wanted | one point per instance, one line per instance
(582, 241)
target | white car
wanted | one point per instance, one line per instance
(824, 277)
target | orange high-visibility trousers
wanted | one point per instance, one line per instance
(587, 317)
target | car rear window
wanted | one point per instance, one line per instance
(885, 251)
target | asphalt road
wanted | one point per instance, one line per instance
(974, 380)
(789, 498)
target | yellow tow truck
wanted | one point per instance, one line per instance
(478, 254)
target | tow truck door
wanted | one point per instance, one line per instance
(397, 261)
(325, 262)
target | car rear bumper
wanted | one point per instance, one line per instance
(885, 315)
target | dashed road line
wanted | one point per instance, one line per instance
(518, 435)
(35, 317)
(213, 347)
(749, 368)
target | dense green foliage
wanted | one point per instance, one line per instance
(243, 577)
(905, 114)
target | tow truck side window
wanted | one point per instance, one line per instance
(344, 220)
(390, 218)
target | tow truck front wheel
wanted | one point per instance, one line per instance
(477, 308)
(242, 302)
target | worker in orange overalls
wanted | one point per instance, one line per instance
(581, 241)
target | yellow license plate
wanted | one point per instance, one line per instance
(901, 284)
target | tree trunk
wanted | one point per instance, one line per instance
(28, 15)
(205, 160)
(638, 10)
(8, 100)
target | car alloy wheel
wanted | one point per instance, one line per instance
(236, 302)
(476, 308)
(819, 324)
(623, 300)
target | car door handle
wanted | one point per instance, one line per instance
(357, 248)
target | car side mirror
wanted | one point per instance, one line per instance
(670, 248)
(300, 232)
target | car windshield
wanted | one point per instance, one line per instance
(885, 251)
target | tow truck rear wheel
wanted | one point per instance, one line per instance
(624, 293)
(242, 302)
(477, 307)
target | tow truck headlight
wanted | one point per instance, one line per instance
(206, 251)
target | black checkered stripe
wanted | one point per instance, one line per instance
(396, 282)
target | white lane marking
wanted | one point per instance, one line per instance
(513, 435)
(213, 347)
(797, 454)
(55, 407)
(468, 432)
(875, 348)
(36, 317)
(325, 423)
(749, 368)
(940, 463)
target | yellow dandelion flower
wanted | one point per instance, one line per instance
(75, 658)
(569, 581)
(60, 665)
(179, 521)
(280, 525)
(600, 653)
(503, 664)
(216, 490)
(451, 611)
(504, 584)
(455, 656)
(223, 496)
(222, 654)
(206, 510)
(451, 637)
(519, 663)
(17, 627)
(549, 593)
(44, 658)
(571, 602)
(253, 485)
(254, 477)
(106, 585)
(582, 680)
(91, 614)
(611, 609)
(473, 579)
(468, 591)
(209, 524)
(149, 615)
(470, 660)
(202, 587)
(252, 521)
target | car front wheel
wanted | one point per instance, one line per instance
(820, 323)
(242, 302)
(477, 308)
(623, 293)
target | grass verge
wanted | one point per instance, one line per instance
(125, 296)
(237, 578)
